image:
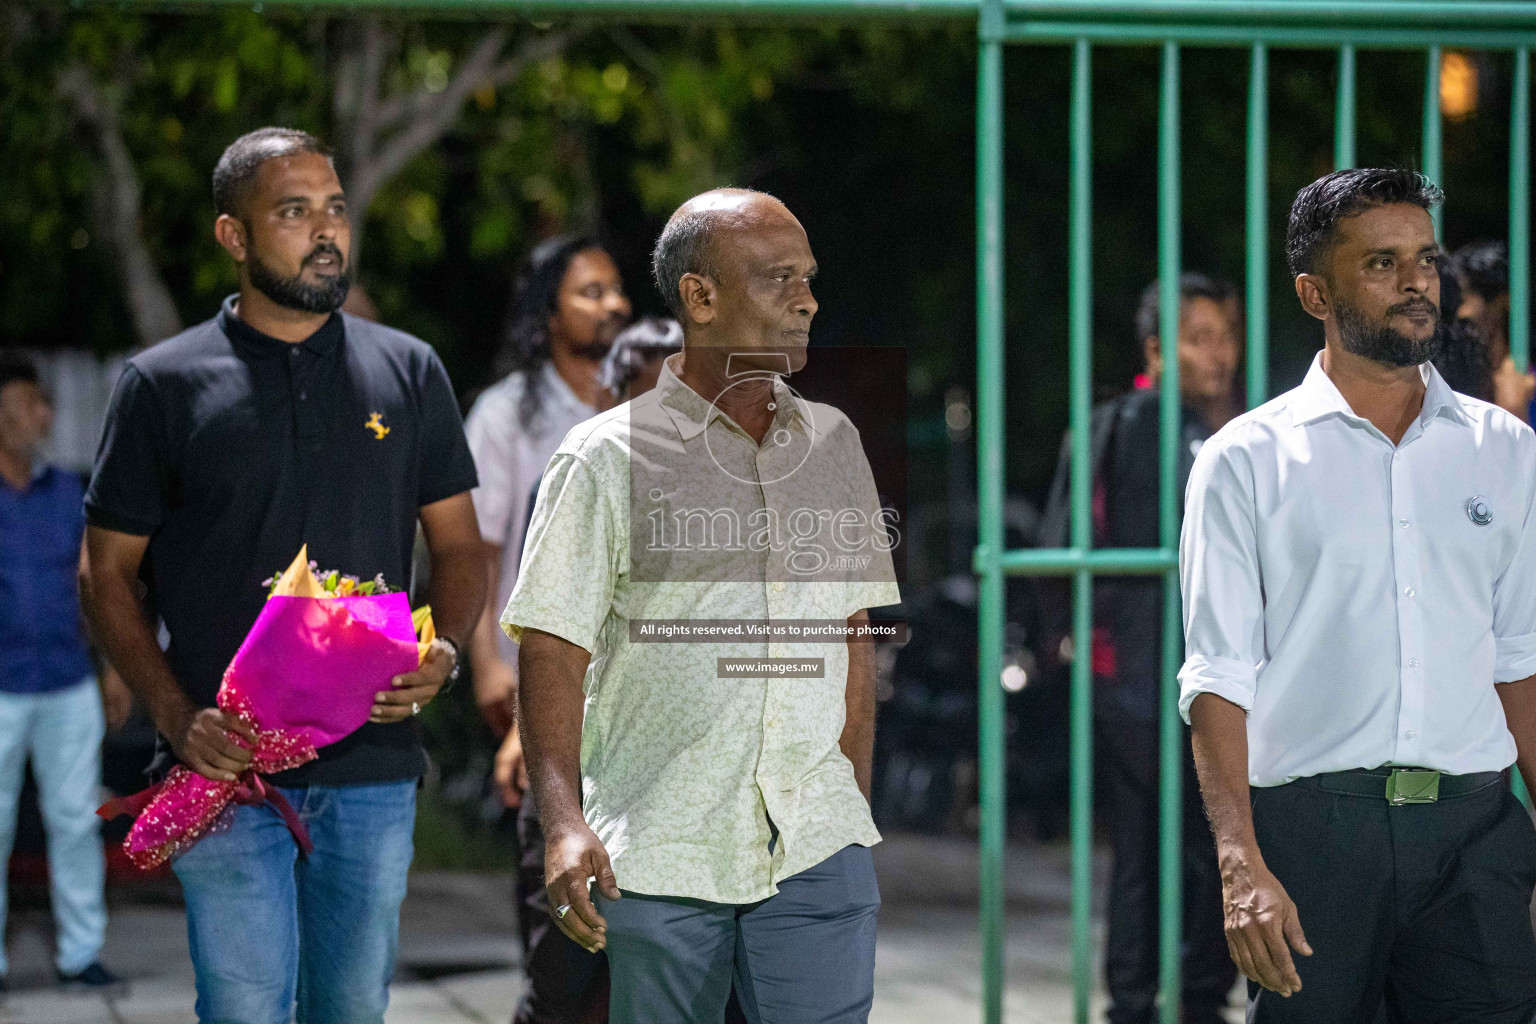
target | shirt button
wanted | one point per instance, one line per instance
(1403, 523)
(778, 587)
(303, 396)
(1413, 662)
(1408, 591)
(1410, 734)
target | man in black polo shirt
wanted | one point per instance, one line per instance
(282, 422)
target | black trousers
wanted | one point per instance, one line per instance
(1419, 914)
(566, 984)
(1129, 749)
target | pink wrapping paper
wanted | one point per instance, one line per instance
(310, 666)
(303, 678)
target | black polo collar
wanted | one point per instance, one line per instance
(323, 342)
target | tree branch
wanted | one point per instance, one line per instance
(428, 117)
(118, 206)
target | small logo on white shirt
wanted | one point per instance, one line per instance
(1479, 510)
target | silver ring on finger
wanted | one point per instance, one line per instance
(415, 708)
(562, 910)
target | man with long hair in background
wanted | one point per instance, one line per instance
(568, 306)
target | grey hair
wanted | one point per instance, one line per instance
(685, 247)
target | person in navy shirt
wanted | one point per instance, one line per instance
(50, 706)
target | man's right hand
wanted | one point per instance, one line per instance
(496, 693)
(1261, 923)
(200, 741)
(571, 856)
(510, 770)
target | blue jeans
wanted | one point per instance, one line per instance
(805, 955)
(274, 934)
(61, 731)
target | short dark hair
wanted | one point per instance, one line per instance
(15, 365)
(236, 169)
(1319, 207)
(1483, 269)
(1192, 285)
(686, 247)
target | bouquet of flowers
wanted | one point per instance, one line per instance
(304, 677)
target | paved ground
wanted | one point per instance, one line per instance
(458, 950)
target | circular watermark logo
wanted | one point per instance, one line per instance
(797, 445)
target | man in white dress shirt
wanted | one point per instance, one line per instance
(1359, 575)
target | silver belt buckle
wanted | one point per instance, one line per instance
(1412, 787)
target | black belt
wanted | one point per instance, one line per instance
(1400, 786)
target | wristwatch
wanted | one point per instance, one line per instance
(453, 673)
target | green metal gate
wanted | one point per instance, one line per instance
(1170, 25)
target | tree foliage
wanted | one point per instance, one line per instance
(867, 132)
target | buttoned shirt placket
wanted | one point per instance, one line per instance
(1410, 607)
(769, 464)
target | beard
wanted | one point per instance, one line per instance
(1377, 341)
(591, 350)
(296, 293)
(597, 346)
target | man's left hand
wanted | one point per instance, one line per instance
(414, 690)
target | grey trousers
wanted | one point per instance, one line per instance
(805, 955)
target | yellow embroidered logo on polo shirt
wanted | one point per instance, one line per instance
(375, 423)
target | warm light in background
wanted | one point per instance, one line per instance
(1458, 86)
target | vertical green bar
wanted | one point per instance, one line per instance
(1170, 899)
(1344, 111)
(1520, 211)
(1432, 147)
(1258, 225)
(1080, 316)
(989, 497)
(1520, 239)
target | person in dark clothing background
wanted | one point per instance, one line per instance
(1466, 358)
(1481, 273)
(1127, 649)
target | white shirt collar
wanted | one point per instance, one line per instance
(562, 391)
(1318, 397)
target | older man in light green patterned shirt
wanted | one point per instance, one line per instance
(697, 676)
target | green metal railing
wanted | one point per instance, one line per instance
(1171, 24)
